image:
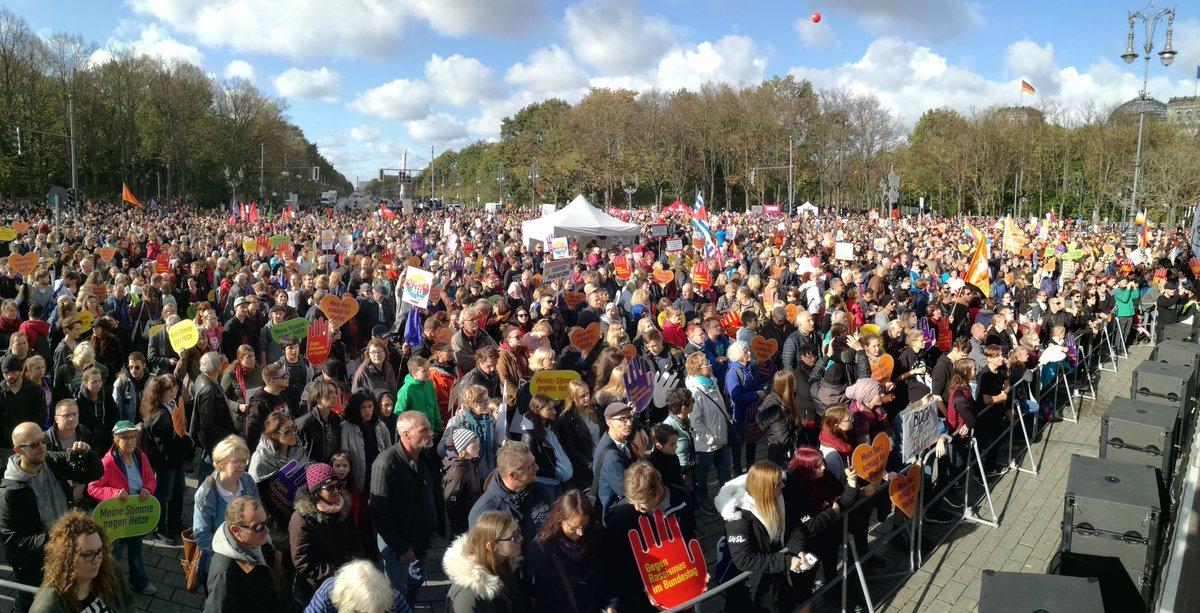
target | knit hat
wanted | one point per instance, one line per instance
(463, 437)
(317, 475)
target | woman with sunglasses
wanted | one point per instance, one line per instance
(167, 451)
(80, 574)
(321, 532)
(481, 567)
(127, 472)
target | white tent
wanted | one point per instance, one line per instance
(579, 218)
(808, 207)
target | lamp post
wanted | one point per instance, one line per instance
(1166, 56)
(500, 179)
(233, 180)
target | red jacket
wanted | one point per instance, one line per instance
(35, 329)
(110, 484)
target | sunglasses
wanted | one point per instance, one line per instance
(257, 528)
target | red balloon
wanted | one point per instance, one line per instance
(816, 17)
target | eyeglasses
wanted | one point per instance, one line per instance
(515, 538)
(257, 528)
(92, 555)
(522, 315)
(36, 444)
(626, 417)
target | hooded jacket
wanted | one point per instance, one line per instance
(554, 466)
(239, 580)
(473, 589)
(116, 478)
(420, 396)
(266, 462)
(321, 542)
(752, 549)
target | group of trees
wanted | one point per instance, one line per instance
(160, 127)
(733, 143)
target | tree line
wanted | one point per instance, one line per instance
(733, 144)
(160, 127)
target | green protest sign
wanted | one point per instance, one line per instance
(1073, 255)
(293, 328)
(278, 239)
(133, 517)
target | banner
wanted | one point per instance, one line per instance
(658, 230)
(418, 283)
(295, 328)
(557, 270)
(552, 383)
(131, 517)
(918, 428)
(843, 251)
(672, 570)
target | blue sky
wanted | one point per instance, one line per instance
(367, 79)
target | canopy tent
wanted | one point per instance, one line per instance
(579, 218)
(808, 207)
(678, 207)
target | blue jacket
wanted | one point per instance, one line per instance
(322, 600)
(742, 384)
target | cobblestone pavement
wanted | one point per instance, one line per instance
(1030, 508)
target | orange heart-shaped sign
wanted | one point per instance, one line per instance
(870, 460)
(574, 299)
(107, 253)
(23, 265)
(339, 310)
(881, 370)
(903, 489)
(663, 277)
(20, 227)
(792, 311)
(629, 351)
(764, 348)
(584, 339)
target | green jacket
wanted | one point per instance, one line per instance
(49, 600)
(1126, 301)
(417, 395)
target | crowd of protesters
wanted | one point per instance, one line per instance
(421, 427)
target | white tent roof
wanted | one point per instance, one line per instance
(579, 218)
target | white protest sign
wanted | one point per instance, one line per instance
(560, 246)
(881, 244)
(417, 285)
(548, 209)
(674, 245)
(843, 251)
(918, 427)
(557, 270)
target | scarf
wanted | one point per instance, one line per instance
(240, 373)
(705, 382)
(839, 444)
(482, 426)
(574, 550)
(329, 508)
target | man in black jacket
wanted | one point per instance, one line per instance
(406, 502)
(34, 494)
(20, 400)
(240, 576)
(211, 419)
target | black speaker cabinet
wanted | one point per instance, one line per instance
(1029, 592)
(1114, 510)
(1180, 353)
(1163, 384)
(1176, 332)
(1139, 432)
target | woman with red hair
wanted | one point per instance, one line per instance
(814, 498)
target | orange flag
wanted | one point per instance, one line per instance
(978, 272)
(127, 196)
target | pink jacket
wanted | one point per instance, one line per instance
(110, 484)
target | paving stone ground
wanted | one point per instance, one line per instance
(1030, 508)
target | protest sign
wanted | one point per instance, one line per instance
(662, 276)
(764, 348)
(125, 518)
(557, 270)
(293, 328)
(278, 491)
(107, 254)
(24, 265)
(85, 319)
(843, 251)
(7, 234)
(573, 299)
(658, 230)
(674, 245)
(700, 275)
(584, 339)
(918, 428)
(903, 489)
(552, 383)
(639, 385)
(881, 244)
(339, 310)
(319, 342)
(561, 248)
(183, 335)
(20, 227)
(870, 460)
(278, 239)
(418, 285)
(621, 268)
(672, 570)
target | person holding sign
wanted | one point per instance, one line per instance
(81, 575)
(126, 471)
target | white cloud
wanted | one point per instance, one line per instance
(438, 128)
(152, 41)
(320, 84)
(460, 80)
(819, 34)
(615, 37)
(396, 99)
(297, 28)
(239, 69)
(730, 60)
(910, 79)
(550, 72)
(927, 19)
(461, 17)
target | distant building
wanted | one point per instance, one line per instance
(1021, 114)
(1184, 110)
(1128, 112)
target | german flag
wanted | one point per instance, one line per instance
(1027, 87)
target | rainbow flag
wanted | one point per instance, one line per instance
(1140, 218)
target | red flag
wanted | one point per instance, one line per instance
(245, 210)
(385, 212)
(254, 212)
(233, 219)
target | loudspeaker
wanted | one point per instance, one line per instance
(1139, 432)
(1176, 332)
(1114, 510)
(1028, 593)
(1163, 384)
(1179, 353)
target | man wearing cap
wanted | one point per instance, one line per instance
(20, 400)
(239, 330)
(269, 350)
(613, 454)
(34, 493)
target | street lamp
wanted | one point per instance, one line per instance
(1166, 56)
(500, 179)
(233, 180)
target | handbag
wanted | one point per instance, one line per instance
(190, 561)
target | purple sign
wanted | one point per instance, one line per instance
(639, 385)
(418, 243)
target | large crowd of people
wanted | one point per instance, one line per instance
(771, 352)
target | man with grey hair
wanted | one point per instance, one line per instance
(211, 416)
(406, 502)
(240, 576)
(514, 490)
(805, 336)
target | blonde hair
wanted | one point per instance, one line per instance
(488, 530)
(615, 336)
(761, 482)
(227, 447)
(541, 354)
(643, 484)
(83, 354)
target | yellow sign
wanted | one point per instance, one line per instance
(86, 318)
(552, 383)
(183, 335)
(7, 234)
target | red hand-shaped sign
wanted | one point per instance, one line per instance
(672, 570)
(319, 342)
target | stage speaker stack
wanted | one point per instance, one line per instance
(1140, 432)
(1030, 593)
(1112, 529)
(1177, 332)
(1166, 384)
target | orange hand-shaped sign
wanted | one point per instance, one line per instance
(672, 570)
